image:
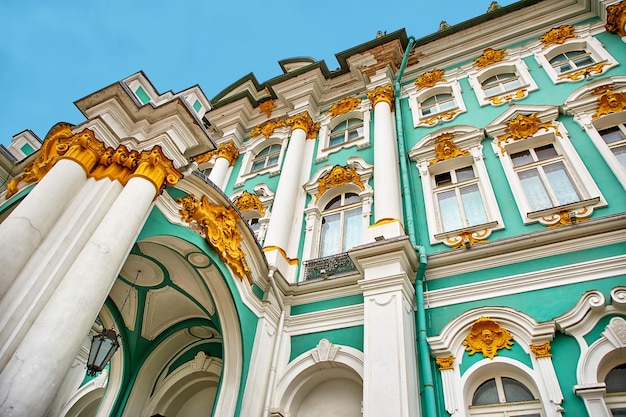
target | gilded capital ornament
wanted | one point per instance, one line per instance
(446, 149)
(616, 18)
(445, 363)
(381, 94)
(486, 336)
(304, 122)
(266, 107)
(85, 150)
(557, 36)
(155, 167)
(429, 79)
(247, 202)
(541, 351)
(343, 106)
(610, 102)
(336, 177)
(116, 164)
(266, 129)
(226, 150)
(489, 56)
(219, 226)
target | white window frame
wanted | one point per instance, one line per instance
(256, 145)
(469, 139)
(589, 44)
(417, 97)
(328, 123)
(315, 208)
(517, 66)
(604, 148)
(556, 134)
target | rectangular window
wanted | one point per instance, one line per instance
(615, 139)
(459, 199)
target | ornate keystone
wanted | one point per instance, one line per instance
(486, 336)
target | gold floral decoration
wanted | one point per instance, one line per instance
(585, 72)
(226, 150)
(445, 116)
(266, 129)
(219, 225)
(523, 127)
(343, 106)
(248, 201)
(381, 94)
(116, 164)
(429, 78)
(266, 107)
(541, 351)
(610, 102)
(567, 217)
(445, 363)
(304, 122)
(467, 239)
(487, 336)
(445, 149)
(616, 18)
(336, 177)
(489, 56)
(557, 35)
(155, 167)
(498, 100)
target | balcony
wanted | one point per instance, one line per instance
(327, 267)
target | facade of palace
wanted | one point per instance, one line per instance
(435, 228)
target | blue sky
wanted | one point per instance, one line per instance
(54, 53)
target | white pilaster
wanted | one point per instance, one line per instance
(219, 171)
(53, 341)
(24, 229)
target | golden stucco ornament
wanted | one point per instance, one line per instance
(247, 202)
(304, 122)
(226, 150)
(336, 177)
(430, 78)
(266, 129)
(616, 18)
(446, 149)
(219, 225)
(489, 56)
(266, 107)
(522, 127)
(486, 336)
(343, 106)
(610, 102)
(557, 36)
(381, 94)
(155, 167)
(541, 351)
(445, 363)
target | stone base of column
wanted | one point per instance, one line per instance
(384, 229)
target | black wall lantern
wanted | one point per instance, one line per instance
(103, 346)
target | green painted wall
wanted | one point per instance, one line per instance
(350, 336)
(327, 304)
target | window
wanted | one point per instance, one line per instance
(501, 83)
(616, 390)
(502, 396)
(268, 157)
(341, 224)
(433, 105)
(544, 177)
(436, 104)
(615, 138)
(571, 60)
(459, 199)
(346, 131)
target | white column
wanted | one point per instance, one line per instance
(24, 229)
(284, 201)
(390, 368)
(218, 173)
(30, 380)
(387, 198)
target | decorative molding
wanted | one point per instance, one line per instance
(226, 150)
(267, 106)
(445, 149)
(155, 167)
(324, 351)
(248, 201)
(303, 121)
(440, 117)
(381, 94)
(541, 351)
(445, 362)
(219, 225)
(610, 102)
(558, 35)
(343, 106)
(490, 56)
(430, 78)
(616, 18)
(487, 336)
(498, 100)
(336, 177)
(266, 129)
(585, 72)
(116, 164)
(522, 127)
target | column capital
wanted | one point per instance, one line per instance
(303, 121)
(85, 150)
(154, 166)
(226, 150)
(382, 93)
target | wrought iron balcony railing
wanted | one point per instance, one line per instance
(328, 266)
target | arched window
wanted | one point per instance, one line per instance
(571, 60)
(346, 131)
(267, 157)
(501, 83)
(437, 103)
(616, 390)
(503, 396)
(341, 224)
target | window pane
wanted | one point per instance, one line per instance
(521, 158)
(612, 134)
(258, 165)
(447, 105)
(620, 154)
(616, 379)
(330, 237)
(340, 126)
(466, 173)
(534, 189)
(583, 62)
(443, 178)
(487, 393)
(561, 183)
(515, 391)
(336, 139)
(545, 152)
(473, 205)
(353, 134)
(619, 412)
(351, 198)
(449, 210)
(272, 160)
(334, 203)
(352, 229)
